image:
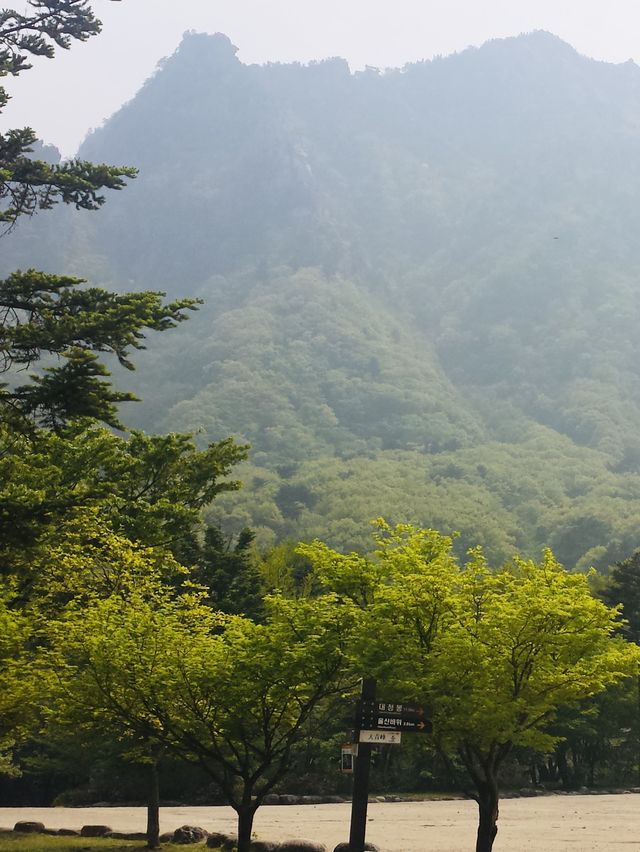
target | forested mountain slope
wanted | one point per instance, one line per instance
(422, 287)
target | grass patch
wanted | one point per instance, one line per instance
(16, 841)
(21, 842)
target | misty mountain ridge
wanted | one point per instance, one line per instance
(422, 287)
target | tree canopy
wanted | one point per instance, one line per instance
(494, 654)
(83, 511)
(234, 696)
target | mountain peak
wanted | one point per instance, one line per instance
(538, 43)
(208, 50)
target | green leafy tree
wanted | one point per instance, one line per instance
(232, 695)
(82, 510)
(148, 488)
(89, 570)
(494, 654)
(286, 570)
(21, 677)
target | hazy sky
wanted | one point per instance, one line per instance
(62, 99)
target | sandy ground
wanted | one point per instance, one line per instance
(544, 824)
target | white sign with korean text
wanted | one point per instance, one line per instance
(381, 737)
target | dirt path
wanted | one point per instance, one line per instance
(545, 824)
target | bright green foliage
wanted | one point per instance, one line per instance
(493, 654)
(22, 679)
(85, 514)
(520, 643)
(76, 560)
(404, 595)
(286, 570)
(12, 639)
(27, 185)
(149, 489)
(230, 694)
(128, 592)
(89, 561)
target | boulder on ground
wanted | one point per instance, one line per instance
(271, 799)
(301, 846)
(344, 847)
(68, 832)
(288, 799)
(217, 840)
(29, 827)
(189, 834)
(264, 846)
(94, 830)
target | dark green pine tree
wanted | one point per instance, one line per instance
(624, 588)
(42, 314)
(27, 184)
(230, 574)
(51, 314)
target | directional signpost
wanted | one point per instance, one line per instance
(393, 716)
(360, 797)
(382, 723)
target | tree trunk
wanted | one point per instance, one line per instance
(488, 816)
(563, 768)
(153, 808)
(578, 767)
(246, 814)
(592, 763)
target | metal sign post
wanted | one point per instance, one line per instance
(361, 777)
